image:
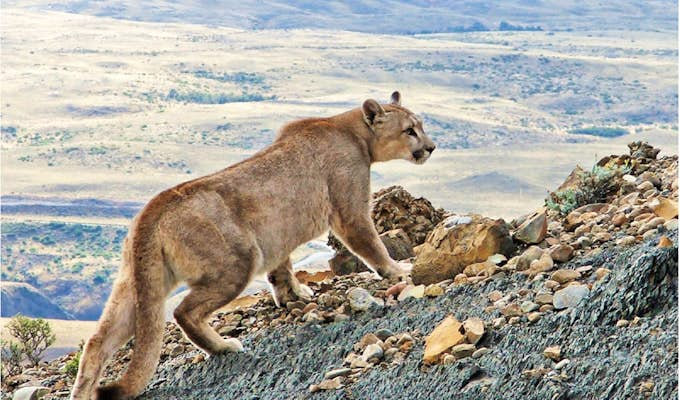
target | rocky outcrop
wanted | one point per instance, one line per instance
(393, 210)
(457, 242)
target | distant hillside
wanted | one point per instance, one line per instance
(389, 16)
(22, 298)
(495, 182)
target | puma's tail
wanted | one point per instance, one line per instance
(150, 290)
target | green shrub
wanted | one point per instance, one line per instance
(34, 336)
(71, 366)
(594, 187)
(11, 355)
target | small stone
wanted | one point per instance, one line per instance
(619, 219)
(543, 264)
(582, 229)
(416, 292)
(309, 307)
(551, 284)
(561, 252)
(546, 308)
(358, 363)
(175, 350)
(30, 393)
(497, 259)
(226, 330)
(199, 358)
(562, 364)
(360, 299)
(585, 269)
(474, 329)
(552, 352)
(389, 353)
(645, 186)
(570, 296)
(329, 384)
(649, 234)
(405, 338)
(446, 335)
(565, 275)
(534, 316)
(448, 359)
(530, 254)
(394, 290)
(534, 229)
(494, 296)
(512, 310)
(664, 241)
(372, 352)
(646, 386)
(583, 242)
(337, 372)
(665, 208)
(498, 323)
(528, 306)
(383, 334)
(434, 290)
(671, 225)
(543, 298)
(292, 305)
(369, 338)
(514, 320)
(601, 273)
(626, 241)
(484, 269)
(460, 279)
(463, 350)
(482, 351)
(622, 323)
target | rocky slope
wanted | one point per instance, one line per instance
(582, 304)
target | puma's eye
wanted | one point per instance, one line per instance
(411, 132)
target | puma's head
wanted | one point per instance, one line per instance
(398, 132)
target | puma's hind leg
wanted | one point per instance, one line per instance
(286, 286)
(194, 310)
(226, 268)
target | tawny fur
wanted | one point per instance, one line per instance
(216, 232)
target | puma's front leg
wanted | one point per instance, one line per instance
(286, 286)
(360, 236)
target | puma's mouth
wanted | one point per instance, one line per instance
(420, 156)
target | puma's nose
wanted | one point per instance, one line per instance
(430, 149)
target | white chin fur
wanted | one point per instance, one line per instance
(419, 161)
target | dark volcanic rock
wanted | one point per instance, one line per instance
(605, 361)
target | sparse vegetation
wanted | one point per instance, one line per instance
(12, 356)
(214, 98)
(34, 336)
(594, 187)
(71, 366)
(601, 131)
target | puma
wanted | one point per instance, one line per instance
(217, 232)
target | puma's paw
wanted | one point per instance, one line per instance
(232, 345)
(398, 270)
(305, 293)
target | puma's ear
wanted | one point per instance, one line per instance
(372, 110)
(396, 98)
